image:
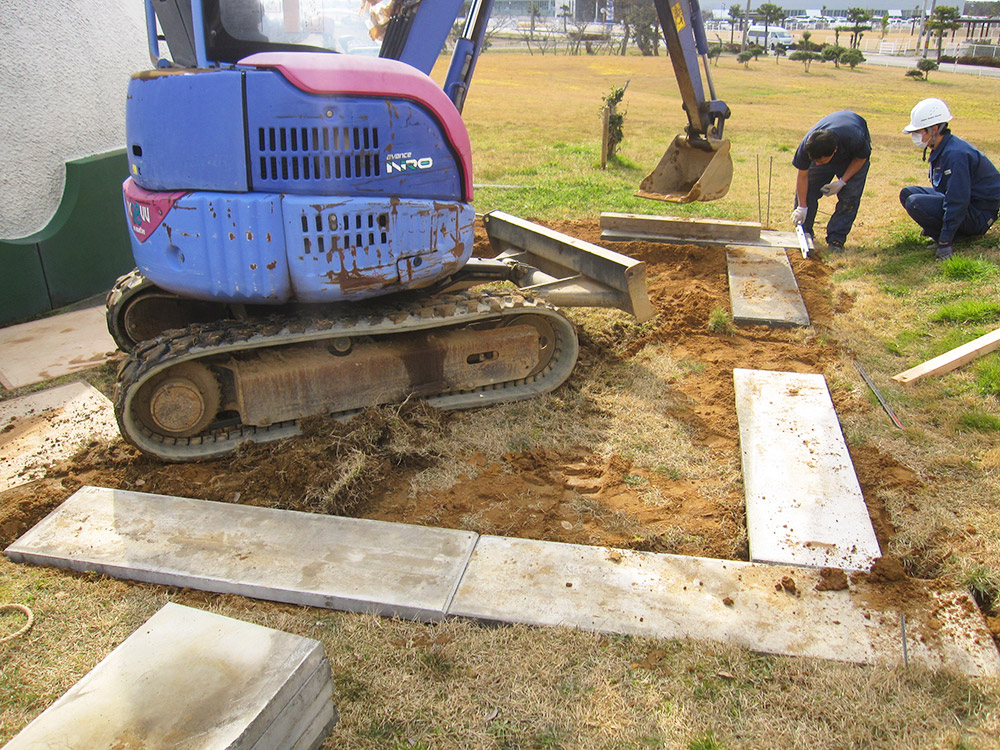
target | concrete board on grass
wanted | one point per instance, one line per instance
(308, 716)
(762, 288)
(185, 680)
(49, 347)
(301, 558)
(40, 429)
(672, 596)
(803, 502)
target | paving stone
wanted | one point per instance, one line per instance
(41, 429)
(58, 345)
(672, 596)
(762, 287)
(185, 680)
(309, 715)
(681, 228)
(803, 501)
(351, 564)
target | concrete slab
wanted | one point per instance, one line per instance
(308, 716)
(762, 287)
(768, 238)
(350, 564)
(185, 679)
(718, 230)
(671, 596)
(803, 501)
(50, 347)
(41, 429)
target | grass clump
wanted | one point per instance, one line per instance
(719, 321)
(968, 311)
(984, 586)
(988, 376)
(960, 268)
(978, 421)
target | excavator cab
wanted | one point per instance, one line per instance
(697, 165)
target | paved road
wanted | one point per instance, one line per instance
(909, 61)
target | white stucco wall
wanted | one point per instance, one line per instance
(64, 69)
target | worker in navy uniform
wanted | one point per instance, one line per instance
(832, 159)
(965, 186)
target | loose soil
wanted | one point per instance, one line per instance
(566, 495)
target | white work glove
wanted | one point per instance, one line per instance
(799, 215)
(833, 188)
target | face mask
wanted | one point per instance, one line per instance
(918, 139)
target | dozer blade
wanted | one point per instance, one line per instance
(687, 173)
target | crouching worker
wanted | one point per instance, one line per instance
(832, 159)
(965, 186)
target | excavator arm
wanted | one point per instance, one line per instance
(697, 165)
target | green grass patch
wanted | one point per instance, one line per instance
(968, 311)
(978, 421)
(961, 268)
(988, 376)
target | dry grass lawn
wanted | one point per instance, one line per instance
(534, 122)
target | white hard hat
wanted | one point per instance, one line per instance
(926, 113)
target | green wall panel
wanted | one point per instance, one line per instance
(81, 251)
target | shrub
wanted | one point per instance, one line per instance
(851, 58)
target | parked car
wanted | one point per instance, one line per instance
(770, 37)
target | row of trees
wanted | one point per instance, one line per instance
(640, 26)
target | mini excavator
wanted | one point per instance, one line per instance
(300, 207)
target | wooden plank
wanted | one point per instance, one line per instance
(803, 501)
(669, 226)
(953, 359)
(762, 287)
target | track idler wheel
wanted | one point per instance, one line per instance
(180, 402)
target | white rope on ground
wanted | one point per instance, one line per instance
(24, 628)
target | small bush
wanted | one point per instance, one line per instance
(914, 73)
(979, 421)
(968, 311)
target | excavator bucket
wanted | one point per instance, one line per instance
(687, 173)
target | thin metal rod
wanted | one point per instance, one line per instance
(770, 167)
(888, 409)
(759, 217)
(902, 625)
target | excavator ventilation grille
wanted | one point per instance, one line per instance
(329, 231)
(316, 154)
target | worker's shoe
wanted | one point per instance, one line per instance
(835, 246)
(943, 252)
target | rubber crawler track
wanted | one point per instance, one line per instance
(230, 337)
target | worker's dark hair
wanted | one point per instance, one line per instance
(820, 144)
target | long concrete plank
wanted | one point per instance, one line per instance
(185, 679)
(540, 583)
(762, 287)
(718, 230)
(804, 504)
(766, 608)
(40, 429)
(58, 345)
(349, 564)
